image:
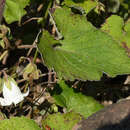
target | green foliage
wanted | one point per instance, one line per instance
(60, 121)
(76, 102)
(125, 3)
(86, 5)
(119, 30)
(85, 52)
(14, 10)
(18, 123)
(113, 26)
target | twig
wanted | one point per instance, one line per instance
(41, 94)
(3, 55)
(26, 46)
(22, 80)
(46, 74)
(31, 19)
(5, 58)
(39, 7)
(34, 43)
(47, 83)
(59, 36)
(5, 39)
(5, 75)
(49, 78)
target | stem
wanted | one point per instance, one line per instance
(35, 56)
(3, 55)
(47, 5)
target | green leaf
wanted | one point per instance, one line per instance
(77, 102)
(86, 5)
(85, 52)
(127, 33)
(113, 26)
(18, 123)
(125, 3)
(14, 10)
(119, 30)
(61, 121)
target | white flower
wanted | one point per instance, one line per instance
(11, 93)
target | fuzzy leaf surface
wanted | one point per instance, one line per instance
(86, 5)
(119, 30)
(60, 121)
(85, 52)
(18, 123)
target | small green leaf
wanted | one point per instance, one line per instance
(84, 52)
(61, 121)
(18, 123)
(76, 102)
(113, 26)
(119, 30)
(14, 10)
(86, 5)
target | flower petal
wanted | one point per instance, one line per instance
(12, 95)
(26, 94)
(5, 102)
